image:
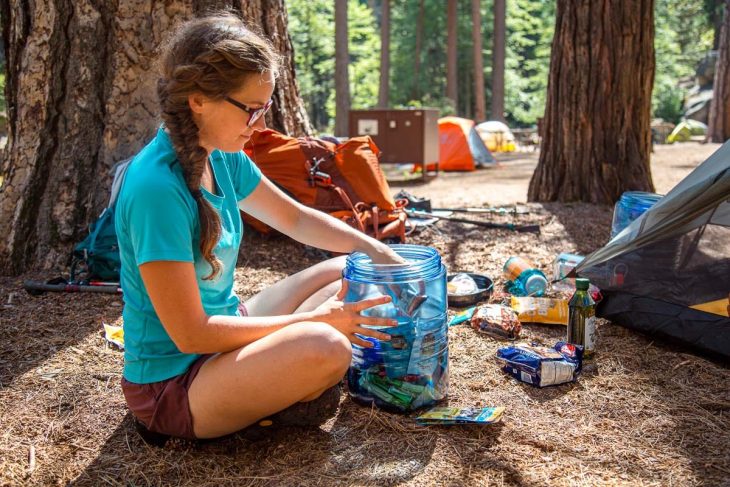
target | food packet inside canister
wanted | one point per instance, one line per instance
(497, 321)
(462, 284)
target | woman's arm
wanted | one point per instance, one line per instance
(173, 290)
(309, 226)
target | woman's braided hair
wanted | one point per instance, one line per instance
(213, 55)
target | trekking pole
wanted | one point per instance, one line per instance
(507, 226)
(37, 288)
(491, 210)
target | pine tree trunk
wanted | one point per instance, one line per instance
(719, 127)
(498, 55)
(597, 136)
(342, 78)
(416, 91)
(288, 114)
(452, 86)
(81, 96)
(476, 19)
(384, 90)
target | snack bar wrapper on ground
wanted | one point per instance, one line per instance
(542, 366)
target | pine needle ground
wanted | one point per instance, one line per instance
(648, 413)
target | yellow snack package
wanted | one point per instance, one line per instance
(550, 311)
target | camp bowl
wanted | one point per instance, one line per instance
(485, 287)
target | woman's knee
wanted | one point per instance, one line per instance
(332, 268)
(324, 347)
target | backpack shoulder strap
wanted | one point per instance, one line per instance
(119, 170)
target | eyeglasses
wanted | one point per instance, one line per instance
(253, 113)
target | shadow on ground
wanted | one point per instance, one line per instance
(361, 447)
(34, 328)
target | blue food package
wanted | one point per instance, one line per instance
(542, 366)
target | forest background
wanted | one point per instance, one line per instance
(685, 32)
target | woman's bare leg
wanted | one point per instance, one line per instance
(289, 294)
(295, 364)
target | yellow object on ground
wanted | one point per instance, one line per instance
(114, 334)
(541, 310)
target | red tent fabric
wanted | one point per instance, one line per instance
(454, 151)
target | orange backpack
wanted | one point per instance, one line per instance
(343, 180)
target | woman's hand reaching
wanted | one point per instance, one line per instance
(346, 317)
(382, 254)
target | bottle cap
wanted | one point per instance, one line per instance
(536, 285)
(582, 283)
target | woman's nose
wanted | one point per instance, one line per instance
(260, 124)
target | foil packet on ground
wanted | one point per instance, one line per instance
(542, 366)
(450, 416)
(497, 321)
(550, 311)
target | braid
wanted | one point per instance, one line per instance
(184, 136)
(213, 56)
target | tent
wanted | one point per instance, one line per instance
(685, 130)
(460, 147)
(497, 136)
(668, 272)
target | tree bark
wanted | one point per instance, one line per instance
(498, 55)
(342, 78)
(288, 114)
(452, 86)
(81, 96)
(719, 126)
(384, 90)
(416, 91)
(597, 137)
(476, 19)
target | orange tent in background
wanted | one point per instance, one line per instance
(460, 147)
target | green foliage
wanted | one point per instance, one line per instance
(667, 100)
(312, 29)
(313, 36)
(530, 26)
(683, 35)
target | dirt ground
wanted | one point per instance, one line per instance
(648, 413)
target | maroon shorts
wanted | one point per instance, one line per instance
(163, 406)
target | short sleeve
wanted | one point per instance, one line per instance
(245, 174)
(160, 223)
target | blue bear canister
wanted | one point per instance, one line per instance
(411, 370)
(629, 207)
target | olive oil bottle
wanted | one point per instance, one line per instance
(582, 318)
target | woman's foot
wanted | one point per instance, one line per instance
(310, 413)
(150, 437)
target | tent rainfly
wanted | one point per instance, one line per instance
(460, 147)
(668, 272)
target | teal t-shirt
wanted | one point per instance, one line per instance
(156, 218)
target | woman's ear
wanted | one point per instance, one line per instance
(197, 102)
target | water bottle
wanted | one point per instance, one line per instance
(523, 279)
(629, 207)
(410, 370)
(562, 265)
(582, 318)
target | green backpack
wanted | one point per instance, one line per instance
(97, 256)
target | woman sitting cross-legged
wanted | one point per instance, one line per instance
(198, 362)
